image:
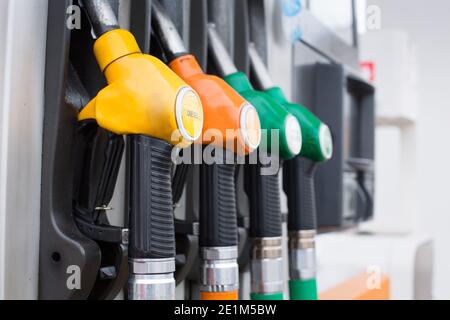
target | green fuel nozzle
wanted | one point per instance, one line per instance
(274, 118)
(272, 115)
(317, 139)
(298, 184)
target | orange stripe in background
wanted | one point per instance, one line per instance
(232, 295)
(358, 288)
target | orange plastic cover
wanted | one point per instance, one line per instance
(222, 108)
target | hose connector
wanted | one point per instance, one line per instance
(302, 255)
(114, 45)
(151, 279)
(267, 266)
(219, 270)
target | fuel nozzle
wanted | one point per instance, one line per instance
(224, 109)
(288, 142)
(298, 184)
(156, 109)
(262, 190)
(317, 139)
(233, 127)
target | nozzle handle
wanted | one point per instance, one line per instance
(264, 197)
(151, 221)
(298, 184)
(218, 218)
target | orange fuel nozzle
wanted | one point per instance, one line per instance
(225, 111)
(229, 120)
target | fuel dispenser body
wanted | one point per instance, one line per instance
(88, 159)
(345, 185)
(72, 78)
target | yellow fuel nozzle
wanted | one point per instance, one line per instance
(143, 95)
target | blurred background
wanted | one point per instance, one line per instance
(403, 50)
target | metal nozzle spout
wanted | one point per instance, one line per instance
(101, 16)
(219, 271)
(302, 255)
(267, 265)
(151, 279)
(259, 68)
(222, 59)
(168, 36)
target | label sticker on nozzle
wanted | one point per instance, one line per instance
(326, 141)
(189, 114)
(250, 126)
(294, 138)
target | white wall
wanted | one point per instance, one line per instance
(428, 26)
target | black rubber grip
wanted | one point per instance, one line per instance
(218, 219)
(179, 181)
(298, 184)
(151, 220)
(264, 199)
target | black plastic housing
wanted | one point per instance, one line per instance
(80, 165)
(346, 103)
(61, 243)
(99, 155)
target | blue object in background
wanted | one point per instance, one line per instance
(291, 7)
